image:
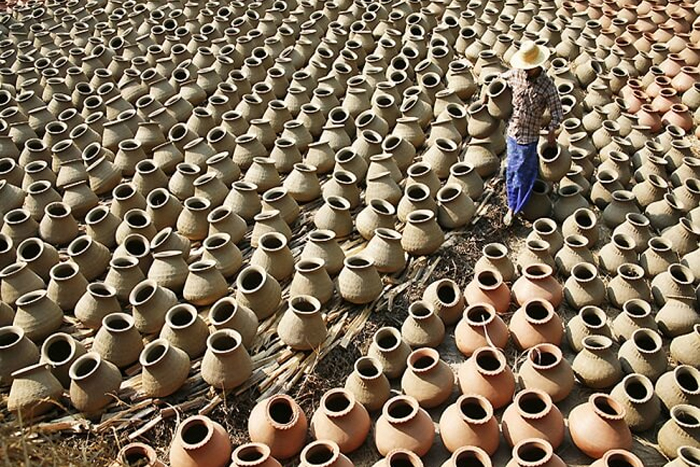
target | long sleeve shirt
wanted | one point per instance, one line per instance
(530, 98)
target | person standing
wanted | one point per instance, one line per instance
(533, 91)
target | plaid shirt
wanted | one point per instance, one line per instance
(529, 101)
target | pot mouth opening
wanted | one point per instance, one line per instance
(533, 452)
(252, 280)
(593, 317)
(387, 339)
(401, 458)
(489, 361)
(470, 456)
(417, 192)
(401, 409)
(181, 316)
(596, 343)
(607, 407)
(685, 415)
(646, 341)
(544, 356)
(282, 412)
(64, 271)
(136, 455)
(584, 272)
(448, 293)
(420, 310)
(320, 453)
(688, 379)
(304, 305)
(584, 218)
(368, 368)
(337, 402)
(489, 279)
(544, 226)
(538, 311)
(59, 349)
(538, 271)
(690, 455)
(251, 454)
(423, 359)
(495, 251)
(196, 432)
(154, 352)
(475, 409)
(533, 404)
(638, 388)
(681, 274)
(223, 341)
(637, 308)
(84, 366)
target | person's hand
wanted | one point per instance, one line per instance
(551, 138)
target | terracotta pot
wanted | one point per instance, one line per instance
(226, 363)
(404, 425)
(488, 287)
(324, 453)
(480, 326)
(487, 373)
(37, 315)
(642, 406)
(139, 453)
(597, 366)
(534, 451)
(185, 329)
(533, 415)
(536, 323)
(495, 256)
(253, 454)
(422, 328)
(681, 430)
(636, 314)
(470, 422)
(598, 426)
(35, 391)
(390, 351)
(537, 282)
(200, 441)
(680, 386)
(546, 369)
(16, 351)
(279, 423)
(341, 419)
(368, 384)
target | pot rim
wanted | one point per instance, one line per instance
(258, 448)
(644, 381)
(545, 446)
(285, 399)
(409, 401)
(595, 400)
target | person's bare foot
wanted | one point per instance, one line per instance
(508, 218)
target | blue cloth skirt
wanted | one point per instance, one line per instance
(521, 172)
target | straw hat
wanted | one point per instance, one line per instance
(530, 55)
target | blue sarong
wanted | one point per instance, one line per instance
(521, 172)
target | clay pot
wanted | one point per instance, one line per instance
(570, 199)
(446, 299)
(101, 225)
(657, 257)
(223, 220)
(243, 200)
(535, 252)
(359, 281)
(684, 348)
(598, 426)
(258, 291)
(582, 222)
(138, 453)
(390, 351)
(683, 236)
(676, 282)
(169, 270)
(575, 251)
(341, 419)
(16, 351)
(417, 196)
(665, 213)
(386, 249)
(536, 323)
(279, 423)
(629, 284)
(118, 340)
(480, 326)
(533, 415)
(682, 430)
(537, 282)
(91, 257)
(253, 454)
(642, 354)
(621, 250)
(35, 391)
(192, 221)
(636, 314)
(534, 451)
(228, 314)
(204, 284)
(185, 329)
(200, 441)
(60, 350)
(469, 422)
(465, 175)
(16, 280)
(642, 406)
(597, 366)
(487, 373)
(302, 326)
(98, 301)
(404, 425)
(368, 384)
(677, 316)
(324, 453)
(378, 213)
(547, 230)
(422, 234)
(488, 287)
(226, 363)
(422, 328)
(428, 379)
(680, 386)
(495, 256)
(584, 287)
(37, 315)
(124, 274)
(66, 286)
(322, 244)
(546, 369)
(165, 368)
(455, 207)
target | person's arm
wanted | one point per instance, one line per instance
(556, 111)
